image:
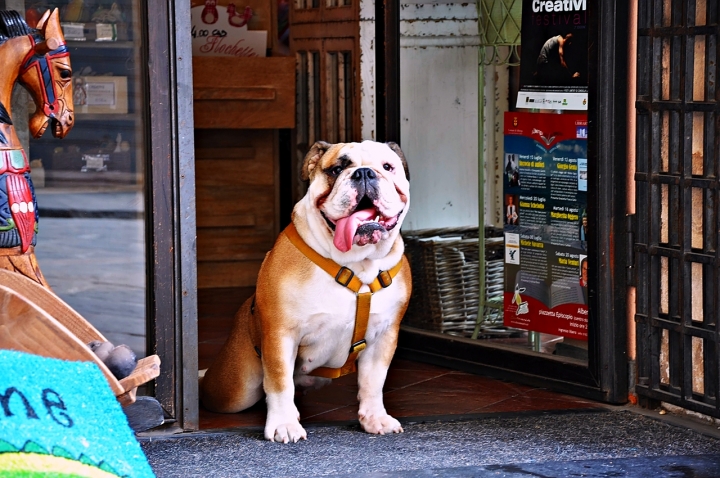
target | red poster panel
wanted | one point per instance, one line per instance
(545, 188)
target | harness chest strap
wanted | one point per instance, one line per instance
(346, 278)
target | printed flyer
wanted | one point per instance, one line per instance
(545, 191)
(554, 58)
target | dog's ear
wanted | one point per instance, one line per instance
(316, 152)
(396, 149)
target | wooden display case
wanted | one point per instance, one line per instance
(239, 105)
(253, 93)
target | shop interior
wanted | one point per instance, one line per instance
(92, 186)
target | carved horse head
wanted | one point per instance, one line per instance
(46, 73)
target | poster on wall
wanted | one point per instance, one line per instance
(218, 30)
(545, 204)
(554, 57)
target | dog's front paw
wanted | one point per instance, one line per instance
(285, 432)
(380, 423)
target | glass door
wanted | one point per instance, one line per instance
(115, 232)
(501, 111)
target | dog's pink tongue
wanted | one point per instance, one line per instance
(346, 227)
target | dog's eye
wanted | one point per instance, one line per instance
(336, 170)
(388, 167)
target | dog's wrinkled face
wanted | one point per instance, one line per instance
(361, 190)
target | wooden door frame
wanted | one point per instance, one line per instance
(387, 70)
(605, 376)
(170, 211)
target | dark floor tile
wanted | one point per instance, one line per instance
(524, 403)
(343, 414)
(252, 417)
(540, 394)
(449, 394)
(484, 388)
(410, 394)
(399, 364)
(341, 392)
(397, 379)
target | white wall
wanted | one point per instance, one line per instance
(439, 114)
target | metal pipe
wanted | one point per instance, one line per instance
(481, 179)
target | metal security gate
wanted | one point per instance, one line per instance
(676, 226)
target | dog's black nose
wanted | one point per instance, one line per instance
(364, 173)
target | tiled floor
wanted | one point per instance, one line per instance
(412, 389)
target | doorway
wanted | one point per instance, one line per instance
(599, 374)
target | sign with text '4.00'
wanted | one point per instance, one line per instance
(223, 31)
(545, 200)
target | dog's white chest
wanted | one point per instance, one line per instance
(327, 323)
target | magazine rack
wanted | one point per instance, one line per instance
(34, 320)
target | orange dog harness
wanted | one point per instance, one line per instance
(346, 278)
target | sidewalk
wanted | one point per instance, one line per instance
(614, 442)
(91, 249)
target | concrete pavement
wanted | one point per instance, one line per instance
(616, 442)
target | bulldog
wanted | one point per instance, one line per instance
(330, 294)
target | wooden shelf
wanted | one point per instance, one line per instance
(81, 118)
(101, 44)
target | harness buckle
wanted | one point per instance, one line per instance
(385, 279)
(358, 346)
(344, 276)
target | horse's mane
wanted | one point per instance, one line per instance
(13, 25)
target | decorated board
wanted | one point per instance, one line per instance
(61, 417)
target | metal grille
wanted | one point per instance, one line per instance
(677, 203)
(499, 26)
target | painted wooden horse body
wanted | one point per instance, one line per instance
(39, 60)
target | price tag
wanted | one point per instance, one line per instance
(105, 32)
(73, 31)
(95, 162)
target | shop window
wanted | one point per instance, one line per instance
(90, 185)
(525, 111)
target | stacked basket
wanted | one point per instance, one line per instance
(445, 272)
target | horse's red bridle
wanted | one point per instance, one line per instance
(41, 63)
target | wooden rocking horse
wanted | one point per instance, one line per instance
(32, 318)
(39, 60)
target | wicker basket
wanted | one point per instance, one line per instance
(445, 278)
